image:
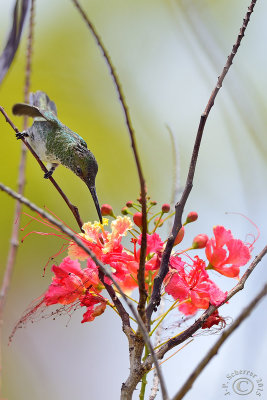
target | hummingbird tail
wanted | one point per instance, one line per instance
(94, 196)
(41, 100)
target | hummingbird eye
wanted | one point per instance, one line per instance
(78, 170)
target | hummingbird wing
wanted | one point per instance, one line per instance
(40, 100)
(34, 112)
(47, 114)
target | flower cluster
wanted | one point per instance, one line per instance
(76, 279)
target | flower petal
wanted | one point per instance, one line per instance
(188, 308)
(239, 253)
(177, 288)
(218, 256)
(222, 236)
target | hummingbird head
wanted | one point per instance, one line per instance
(85, 166)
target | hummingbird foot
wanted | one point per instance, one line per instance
(22, 135)
(49, 173)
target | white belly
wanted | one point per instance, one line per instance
(37, 142)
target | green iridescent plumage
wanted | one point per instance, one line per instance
(56, 144)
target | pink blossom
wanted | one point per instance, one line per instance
(226, 254)
(193, 288)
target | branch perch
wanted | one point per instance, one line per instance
(73, 208)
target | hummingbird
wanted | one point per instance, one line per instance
(55, 143)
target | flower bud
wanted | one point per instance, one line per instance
(106, 209)
(191, 217)
(200, 241)
(137, 218)
(158, 222)
(179, 236)
(153, 203)
(165, 208)
(129, 203)
(124, 211)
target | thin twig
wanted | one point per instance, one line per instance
(215, 348)
(12, 252)
(155, 298)
(141, 271)
(73, 208)
(102, 268)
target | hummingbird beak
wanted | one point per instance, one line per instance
(94, 196)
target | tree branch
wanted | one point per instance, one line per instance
(179, 208)
(215, 348)
(102, 268)
(73, 208)
(141, 271)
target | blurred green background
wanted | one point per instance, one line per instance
(168, 55)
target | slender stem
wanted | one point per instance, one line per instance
(13, 247)
(130, 298)
(154, 216)
(141, 271)
(143, 387)
(158, 222)
(166, 341)
(72, 208)
(215, 348)
(179, 208)
(102, 268)
(144, 380)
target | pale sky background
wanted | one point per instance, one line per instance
(168, 54)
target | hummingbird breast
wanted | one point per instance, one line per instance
(45, 137)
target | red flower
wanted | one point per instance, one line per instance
(69, 283)
(126, 265)
(72, 284)
(99, 240)
(193, 288)
(154, 243)
(226, 254)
